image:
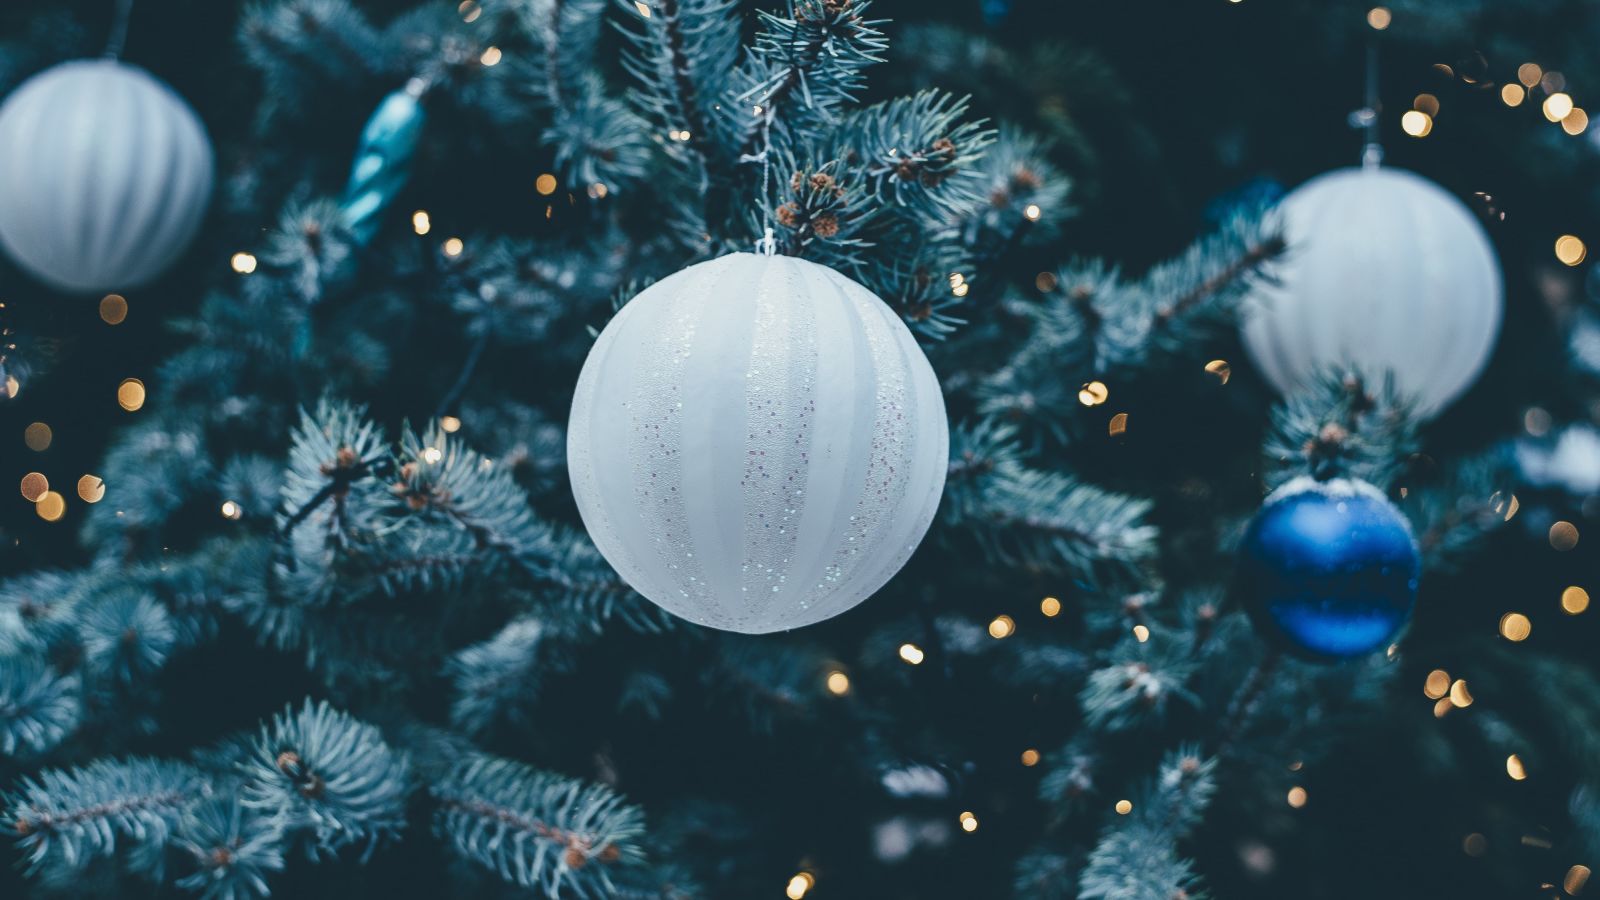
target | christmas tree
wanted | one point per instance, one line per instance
(298, 601)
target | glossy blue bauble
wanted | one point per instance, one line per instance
(1329, 569)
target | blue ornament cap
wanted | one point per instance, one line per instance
(383, 162)
(1329, 569)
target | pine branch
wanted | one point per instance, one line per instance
(38, 707)
(231, 848)
(500, 677)
(67, 816)
(804, 65)
(1137, 856)
(917, 154)
(1233, 271)
(329, 777)
(1137, 685)
(126, 635)
(1340, 427)
(1043, 520)
(1098, 324)
(535, 829)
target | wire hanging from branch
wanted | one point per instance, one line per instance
(1367, 116)
(767, 245)
(119, 29)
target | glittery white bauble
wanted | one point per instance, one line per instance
(104, 175)
(757, 443)
(1384, 270)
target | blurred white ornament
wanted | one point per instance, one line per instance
(104, 175)
(1570, 462)
(1384, 270)
(757, 443)
(915, 780)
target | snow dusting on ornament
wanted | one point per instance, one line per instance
(1571, 462)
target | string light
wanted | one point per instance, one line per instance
(421, 222)
(1563, 536)
(1515, 627)
(1124, 807)
(490, 56)
(1574, 600)
(1093, 393)
(1032, 212)
(1437, 684)
(1577, 877)
(231, 510)
(1529, 74)
(545, 184)
(969, 822)
(1426, 103)
(1557, 105)
(1416, 123)
(34, 486)
(838, 683)
(449, 424)
(1504, 504)
(1459, 696)
(1512, 94)
(1050, 606)
(243, 263)
(1575, 122)
(1002, 627)
(38, 437)
(911, 653)
(798, 885)
(432, 455)
(1221, 369)
(51, 507)
(1118, 424)
(91, 489)
(1297, 797)
(1570, 249)
(453, 246)
(1141, 633)
(113, 309)
(1379, 17)
(130, 394)
(1515, 768)
(1030, 757)
(1536, 421)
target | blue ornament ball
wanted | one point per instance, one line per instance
(1329, 569)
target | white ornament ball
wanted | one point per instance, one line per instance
(104, 175)
(1385, 271)
(757, 443)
